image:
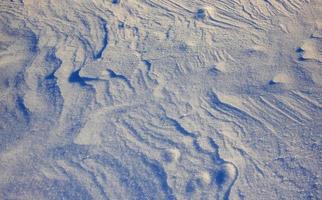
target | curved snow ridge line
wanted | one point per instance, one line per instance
(232, 171)
(227, 172)
(105, 39)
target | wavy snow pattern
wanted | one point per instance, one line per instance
(160, 99)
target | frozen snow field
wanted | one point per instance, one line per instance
(161, 99)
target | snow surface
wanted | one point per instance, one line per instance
(161, 99)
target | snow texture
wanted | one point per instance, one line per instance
(161, 99)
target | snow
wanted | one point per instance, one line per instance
(160, 99)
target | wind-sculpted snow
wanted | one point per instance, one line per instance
(160, 99)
